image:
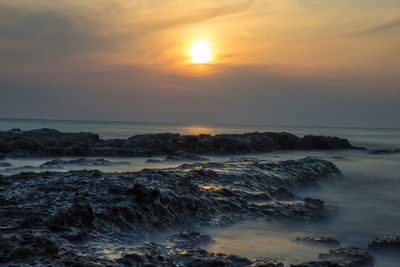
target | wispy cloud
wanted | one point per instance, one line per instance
(380, 28)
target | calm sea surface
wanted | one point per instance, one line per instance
(367, 197)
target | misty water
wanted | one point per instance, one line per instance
(367, 197)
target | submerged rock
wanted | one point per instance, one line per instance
(5, 164)
(50, 143)
(318, 240)
(154, 161)
(384, 152)
(342, 257)
(59, 163)
(185, 156)
(385, 243)
(184, 249)
(78, 209)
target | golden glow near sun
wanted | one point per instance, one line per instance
(200, 52)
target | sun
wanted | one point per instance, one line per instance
(200, 52)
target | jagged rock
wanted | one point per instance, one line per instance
(389, 243)
(50, 143)
(342, 257)
(318, 240)
(384, 152)
(76, 216)
(77, 207)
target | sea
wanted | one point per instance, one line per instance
(367, 197)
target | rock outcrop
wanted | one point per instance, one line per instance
(50, 143)
(319, 241)
(57, 218)
(342, 257)
(386, 243)
(59, 163)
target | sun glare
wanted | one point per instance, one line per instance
(200, 52)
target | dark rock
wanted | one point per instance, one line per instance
(153, 161)
(78, 210)
(342, 257)
(2, 157)
(50, 143)
(318, 240)
(76, 216)
(384, 152)
(59, 163)
(185, 156)
(388, 243)
(5, 164)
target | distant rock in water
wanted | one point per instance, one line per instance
(386, 243)
(57, 163)
(384, 152)
(179, 157)
(184, 156)
(342, 257)
(48, 143)
(319, 240)
(5, 164)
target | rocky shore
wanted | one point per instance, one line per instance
(52, 143)
(60, 218)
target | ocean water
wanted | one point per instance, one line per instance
(367, 197)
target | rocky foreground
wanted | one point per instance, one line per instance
(52, 143)
(71, 218)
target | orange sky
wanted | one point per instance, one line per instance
(315, 43)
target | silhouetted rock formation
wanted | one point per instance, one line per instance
(47, 142)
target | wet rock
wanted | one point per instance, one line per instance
(185, 156)
(384, 152)
(45, 142)
(385, 243)
(28, 246)
(183, 250)
(153, 161)
(78, 209)
(2, 157)
(50, 143)
(59, 163)
(342, 257)
(76, 216)
(180, 156)
(5, 164)
(318, 240)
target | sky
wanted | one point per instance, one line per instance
(286, 62)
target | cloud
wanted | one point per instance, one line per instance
(380, 28)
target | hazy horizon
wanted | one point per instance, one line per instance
(199, 123)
